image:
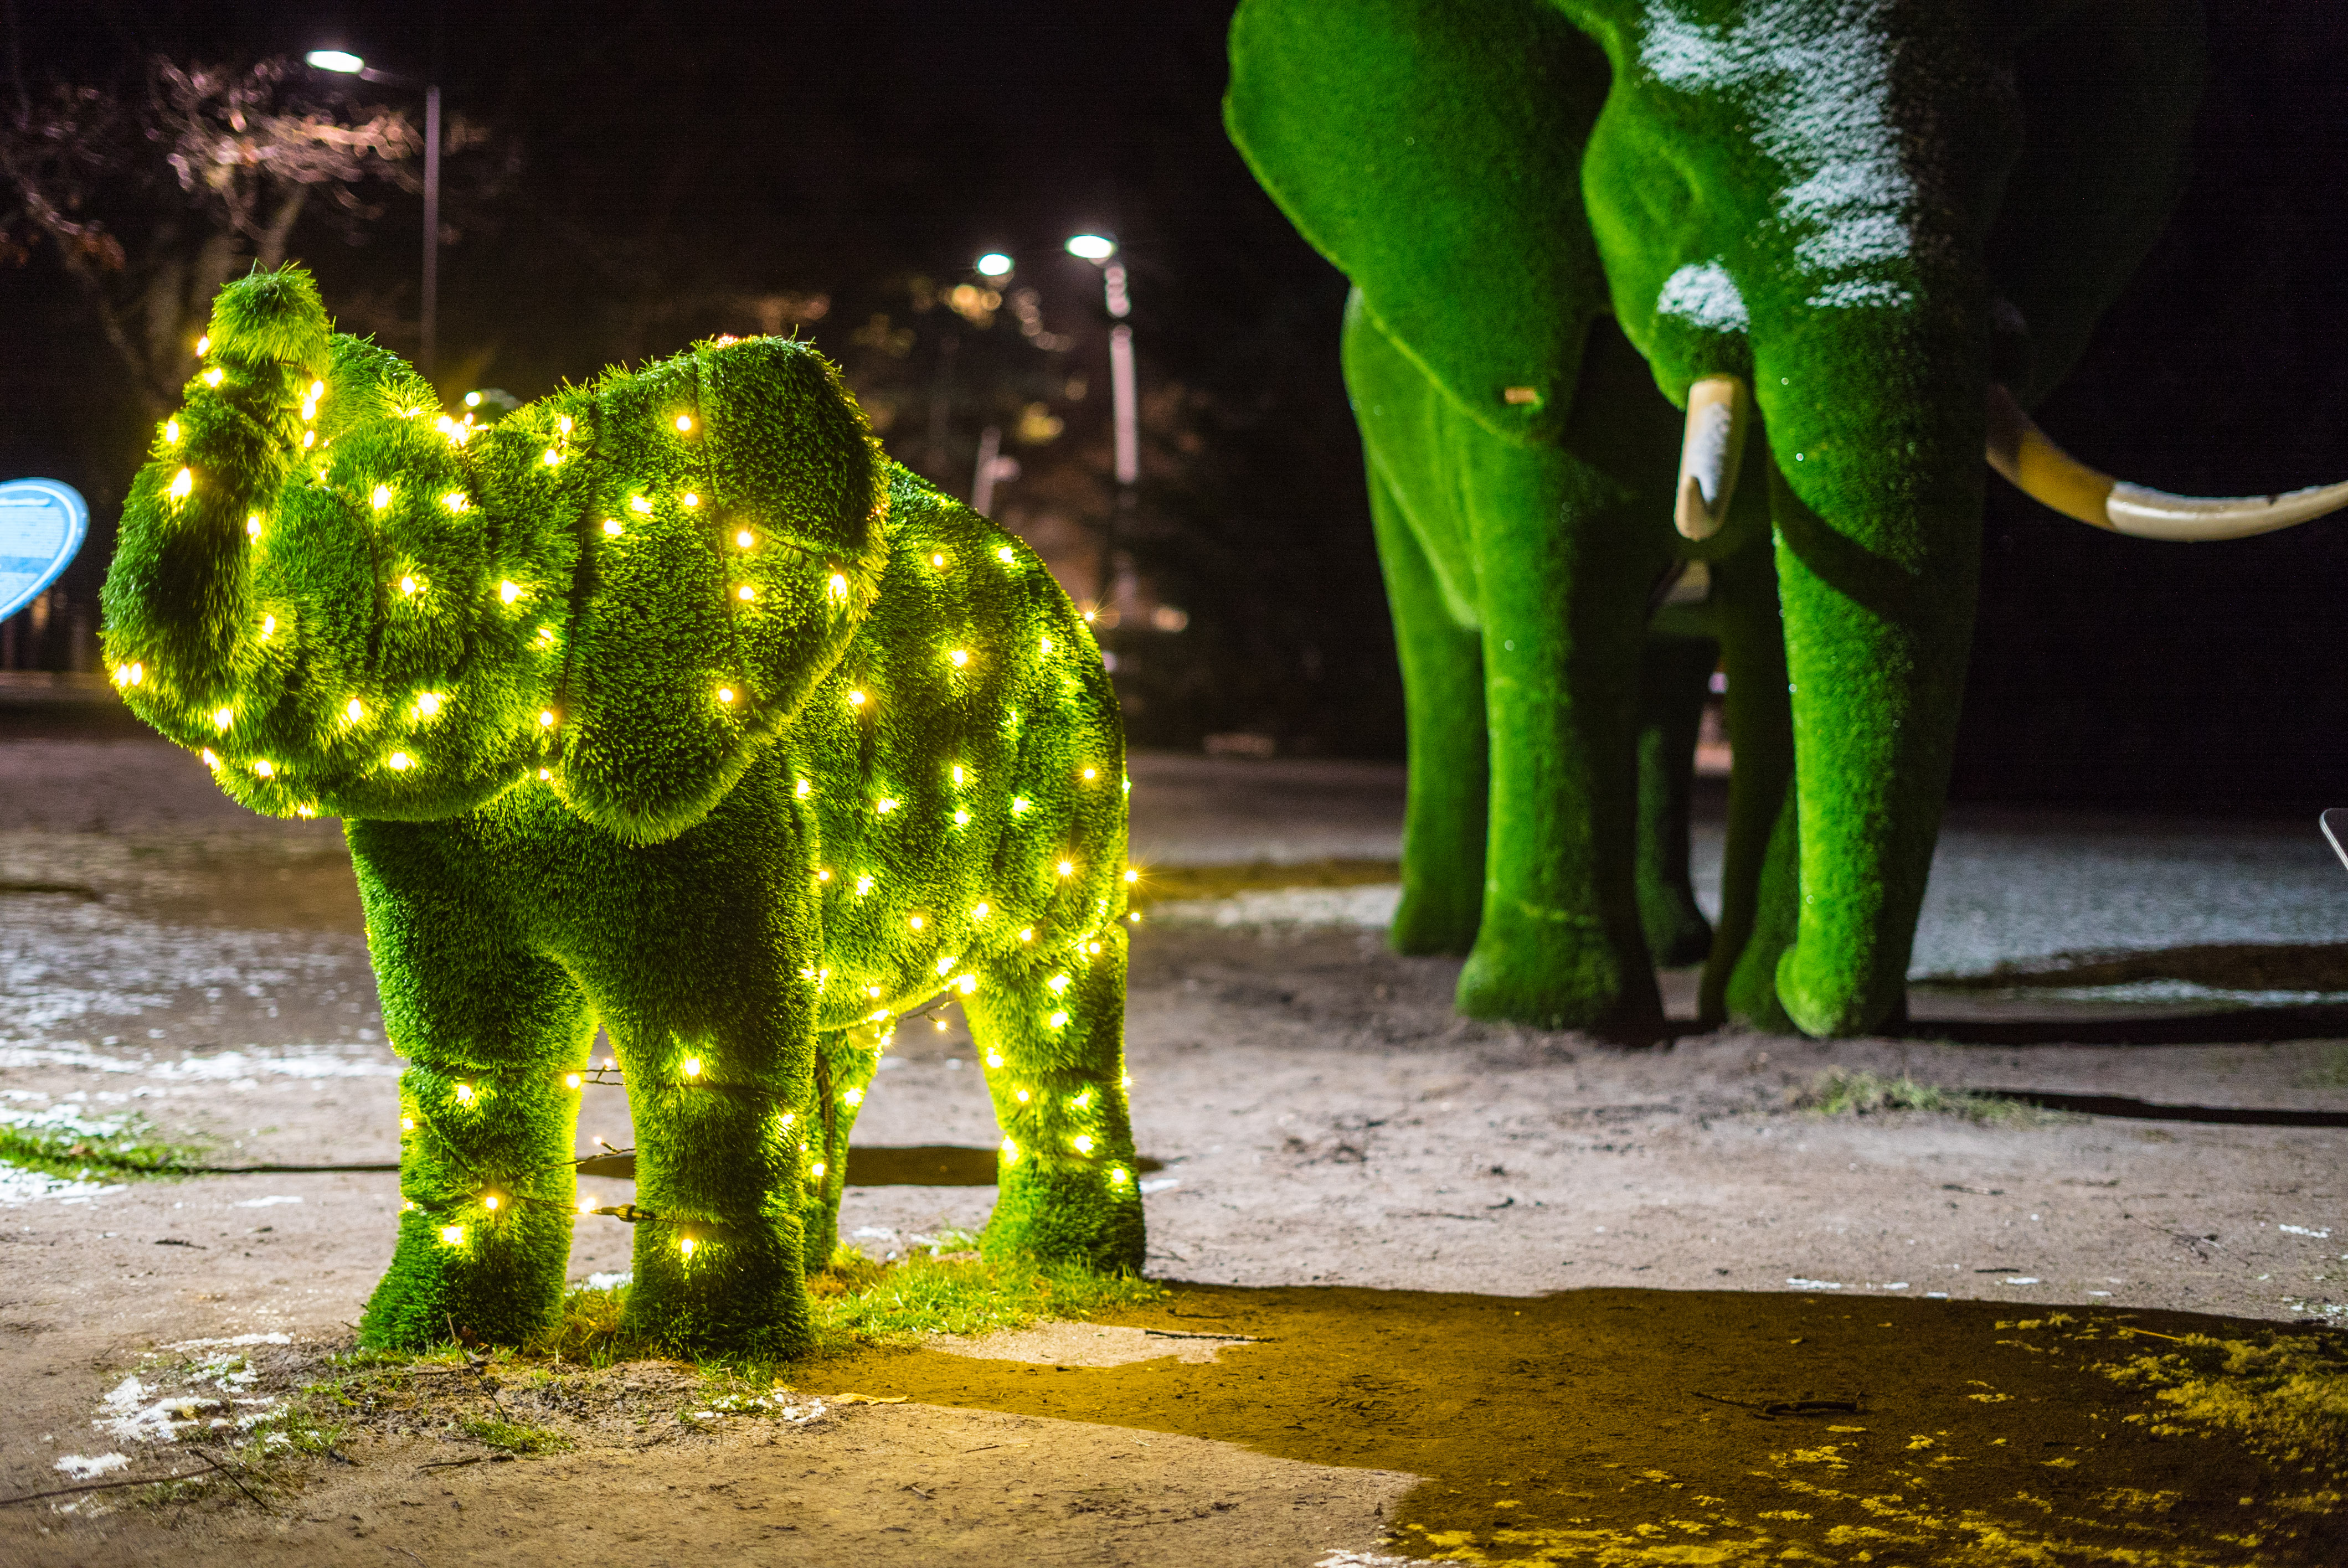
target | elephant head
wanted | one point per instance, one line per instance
(1876, 228)
(356, 606)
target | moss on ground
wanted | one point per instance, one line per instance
(1840, 1092)
(60, 1143)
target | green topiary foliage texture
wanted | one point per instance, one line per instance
(1560, 215)
(667, 702)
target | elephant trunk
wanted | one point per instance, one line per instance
(181, 629)
(1875, 501)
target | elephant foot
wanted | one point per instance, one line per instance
(1677, 933)
(1070, 1214)
(721, 1289)
(1830, 1001)
(1429, 924)
(479, 1278)
(1548, 979)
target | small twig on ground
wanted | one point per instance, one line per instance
(1178, 1334)
(235, 1480)
(99, 1486)
(449, 1463)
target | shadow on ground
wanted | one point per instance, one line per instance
(1626, 1426)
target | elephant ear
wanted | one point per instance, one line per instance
(1432, 150)
(734, 545)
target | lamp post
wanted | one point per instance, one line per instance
(350, 65)
(1101, 252)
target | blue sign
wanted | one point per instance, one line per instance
(42, 524)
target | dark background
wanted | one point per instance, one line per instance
(661, 152)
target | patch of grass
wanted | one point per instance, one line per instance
(512, 1437)
(588, 1331)
(1843, 1092)
(955, 1291)
(1180, 884)
(2286, 1396)
(60, 1141)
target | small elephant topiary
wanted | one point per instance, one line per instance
(666, 703)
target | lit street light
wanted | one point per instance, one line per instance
(349, 65)
(995, 264)
(1101, 252)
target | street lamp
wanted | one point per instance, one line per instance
(1101, 252)
(349, 65)
(995, 264)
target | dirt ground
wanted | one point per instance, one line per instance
(1495, 1290)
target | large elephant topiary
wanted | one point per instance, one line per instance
(667, 702)
(1878, 229)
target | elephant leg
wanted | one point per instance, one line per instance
(1443, 695)
(1566, 572)
(1675, 677)
(492, 1031)
(845, 1062)
(718, 1090)
(1053, 1039)
(1760, 874)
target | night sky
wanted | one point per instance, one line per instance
(644, 154)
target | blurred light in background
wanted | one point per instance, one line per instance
(995, 264)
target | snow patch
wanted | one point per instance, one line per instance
(268, 1203)
(1702, 295)
(19, 1186)
(1814, 1284)
(89, 1467)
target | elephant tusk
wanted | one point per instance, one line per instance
(1719, 410)
(2033, 465)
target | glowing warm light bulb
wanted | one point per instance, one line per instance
(401, 762)
(692, 499)
(1010, 1152)
(453, 1234)
(209, 760)
(317, 390)
(745, 539)
(957, 772)
(546, 718)
(745, 593)
(685, 1244)
(884, 806)
(223, 717)
(1131, 876)
(509, 592)
(1059, 1020)
(612, 526)
(937, 560)
(1047, 645)
(693, 1067)
(817, 1170)
(563, 425)
(726, 693)
(183, 484)
(353, 710)
(993, 1059)
(856, 699)
(1004, 554)
(464, 1094)
(962, 819)
(1057, 984)
(211, 378)
(428, 704)
(863, 886)
(1027, 933)
(252, 527)
(408, 1123)
(838, 585)
(967, 984)
(570, 1080)
(171, 430)
(490, 1202)
(915, 922)
(980, 912)
(1018, 805)
(545, 774)
(1023, 1097)
(638, 504)
(264, 768)
(381, 498)
(1082, 1142)
(268, 624)
(803, 789)
(854, 1097)
(1090, 616)
(1091, 773)
(309, 439)
(407, 585)
(1117, 1177)
(586, 1206)
(683, 424)
(454, 500)
(551, 457)
(204, 344)
(959, 658)
(1068, 868)
(1082, 1101)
